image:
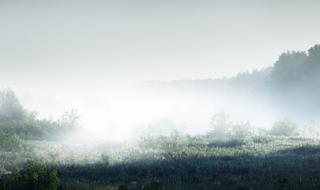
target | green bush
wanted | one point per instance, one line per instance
(34, 177)
(284, 127)
(9, 141)
(242, 130)
(220, 125)
(18, 123)
(10, 106)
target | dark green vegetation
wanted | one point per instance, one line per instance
(17, 124)
(199, 163)
(177, 162)
(31, 176)
(291, 84)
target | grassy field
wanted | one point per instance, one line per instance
(178, 163)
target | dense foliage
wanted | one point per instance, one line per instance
(32, 176)
(18, 124)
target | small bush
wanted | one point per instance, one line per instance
(9, 141)
(34, 177)
(242, 130)
(220, 125)
(262, 139)
(284, 128)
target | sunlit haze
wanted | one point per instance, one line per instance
(95, 56)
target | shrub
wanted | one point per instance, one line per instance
(284, 128)
(10, 107)
(220, 125)
(9, 141)
(34, 177)
(16, 122)
(242, 130)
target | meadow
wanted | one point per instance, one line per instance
(173, 162)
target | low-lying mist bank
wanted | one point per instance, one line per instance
(288, 89)
(64, 141)
(165, 118)
(37, 153)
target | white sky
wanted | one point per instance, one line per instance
(54, 41)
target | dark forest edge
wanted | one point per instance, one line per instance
(291, 83)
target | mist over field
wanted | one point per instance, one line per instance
(285, 90)
(159, 95)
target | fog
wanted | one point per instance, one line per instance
(128, 112)
(159, 94)
(128, 65)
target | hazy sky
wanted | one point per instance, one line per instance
(84, 42)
